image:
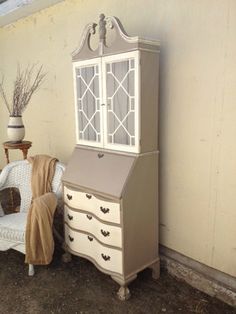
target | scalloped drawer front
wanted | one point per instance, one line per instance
(107, 258)
(105, 233)
(105, 210)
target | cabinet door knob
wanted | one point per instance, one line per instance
(90, 238)
(105, 233)
(105, 257)
(104, 210)
(69, 197)
(70, 217)
(89, 196)
(89, 217)
(71, 239)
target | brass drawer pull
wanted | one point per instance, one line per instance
(100, 155)
(105, 233)
(70, 217)
(71, 239)
(104, 210)
(105, 257)
(89, 196)
(69, 197)
(89, 217)
(90, 238)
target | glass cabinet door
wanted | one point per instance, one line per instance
(106, 102)
(120, 88)
(88, 102)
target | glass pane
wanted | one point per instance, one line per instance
(122, 132)
(88, 102)
(128, 83)
(113, 123)
(87, 73)
(81, 87)
(129, 123)
(108, 67)
(112, 85)
(120, 104)
(120, 69)
(120, 97)
(89, 134)
(132, 103)
(95, 121)
(83, 121)
(79, 105)
(121, 137)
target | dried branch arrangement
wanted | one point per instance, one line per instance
(25, 85)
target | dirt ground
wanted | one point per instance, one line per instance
(78, 287)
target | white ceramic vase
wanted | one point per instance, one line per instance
(15, 129)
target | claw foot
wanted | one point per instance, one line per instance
(123, 293)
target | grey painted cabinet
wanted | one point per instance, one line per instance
(111, 180)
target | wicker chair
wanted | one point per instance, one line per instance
(12, 226)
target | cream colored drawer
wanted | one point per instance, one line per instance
(107, 258)
(105, 233)
(105, 210)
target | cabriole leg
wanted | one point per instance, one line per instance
(123, 293)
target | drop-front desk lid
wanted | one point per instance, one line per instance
(99, 171)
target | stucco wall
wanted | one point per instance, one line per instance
(197, 107)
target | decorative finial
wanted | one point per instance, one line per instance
(102, 29)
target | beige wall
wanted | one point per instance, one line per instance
(197, 107)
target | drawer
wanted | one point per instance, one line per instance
(81, 243)
(105, 233)
(105, 210)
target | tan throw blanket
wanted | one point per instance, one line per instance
(39, 241)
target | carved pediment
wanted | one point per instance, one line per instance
(122, 42)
